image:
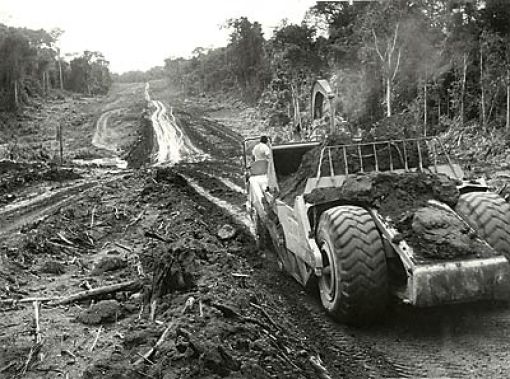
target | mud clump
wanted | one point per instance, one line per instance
(107, 264)
(140, 152)
(53, 267)
(226, 232)
(174, 270)
(438, 233)
(212, 357)
(346, 157)
(103, 312)
(404, 200)
(60, 175)
(105, 369)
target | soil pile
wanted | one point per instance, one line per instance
(140, 151)
(404, 199)
(437, 233)
(216, 319)
(103, 312)
(345, 157)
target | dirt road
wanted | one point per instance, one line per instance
(240, 318)
(467, 340)
(173, 146)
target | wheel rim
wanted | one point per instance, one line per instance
(328, 278)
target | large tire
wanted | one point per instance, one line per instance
(489, 215)
(354, 284)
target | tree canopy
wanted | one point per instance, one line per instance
(31, 65)
(438, 60)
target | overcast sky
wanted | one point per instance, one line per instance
(139, 34)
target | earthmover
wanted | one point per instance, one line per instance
(350, 250)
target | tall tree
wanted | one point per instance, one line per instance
(247, 57)
(16, 55)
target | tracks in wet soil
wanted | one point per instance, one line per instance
(455, 341)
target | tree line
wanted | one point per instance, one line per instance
(438, 61)
(31, 65)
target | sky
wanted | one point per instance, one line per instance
(140, 34)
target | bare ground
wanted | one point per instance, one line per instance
(226, 309)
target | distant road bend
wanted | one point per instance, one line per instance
(173, 145)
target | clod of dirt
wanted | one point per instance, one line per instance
(102, 312)
(174, 270)
(226, 232)
(140, 337)
(59, 175)
(53, 267)
(213, 357)
(109, 263)
(441, 234)
(107, 370)
(7, 198)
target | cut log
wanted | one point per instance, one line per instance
(148, 355)
(132, 285)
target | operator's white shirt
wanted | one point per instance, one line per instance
(261, 151)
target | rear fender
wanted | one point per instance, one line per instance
(299, 238)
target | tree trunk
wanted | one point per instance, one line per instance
(388, 96)
(16, 90)
(438, 102)
(463, 90)
(61, 142)
(425, 105)
(45, 83)
(507, 101)
(484, 120)
(48, 81)
(61, 79)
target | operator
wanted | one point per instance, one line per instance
(261, 151)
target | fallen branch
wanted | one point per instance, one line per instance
(64, 246)
(134, 221)
(34, 351)
(321, 370)
(145, 359)
(123, 247)
(238, 275)
(200, 308)
(95, 339)
(92, 217)
(287, 359)
(9, 365)
(188, 305)
(139, 267)
(70, 353)
(63, 238)
(37, 325)
(154, 305)
(230, 312)
(266, 315)
(147, 355)
(27, 300)
(157, 237)
(85, 295)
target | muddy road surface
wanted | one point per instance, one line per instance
(154, 273)
(466, 340)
